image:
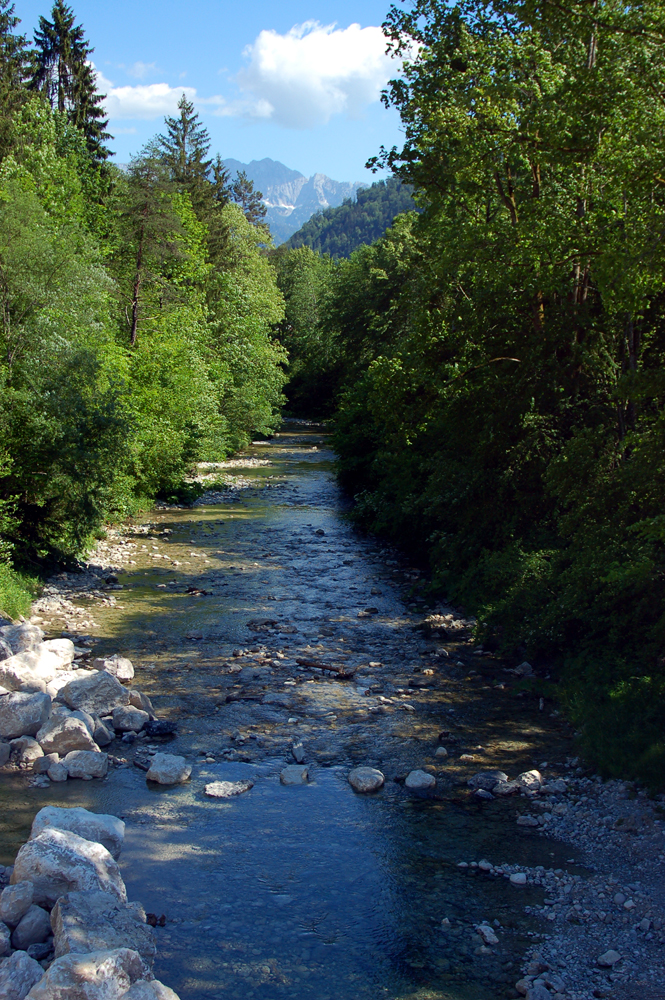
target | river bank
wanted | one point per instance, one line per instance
(269, 631)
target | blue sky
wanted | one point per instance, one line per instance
(269, 79)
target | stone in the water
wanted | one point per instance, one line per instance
(127, 719)
(365, 779)
(518, 878)
(86, 764)
(298, 752)
(23, 714)
(227, 789)
(168, 769)
(609, 959)
(487, 779)
(441, 752)
(92, 921)
(58, 861)
(99, 975)
(160, 727)
(276, 698)
(33, 928)
(118, 666)
(487, 934)
(294, 774)
(419, 781)
(60, 735)
(101, 828)
(15, 901)
(18, 975)
(98, 693)
(527, 821)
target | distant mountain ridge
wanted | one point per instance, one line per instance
(290, 197)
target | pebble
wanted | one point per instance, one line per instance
(518, 878)
(609, 959)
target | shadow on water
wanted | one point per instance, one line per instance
(310, 892)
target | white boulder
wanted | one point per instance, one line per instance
(18, 975)
(98, 693)
(60, 735)
(86, 764)
(530, 780)
(101, 828)
(93, 921)
(65, 677)
(23, 714)
(15, 901)
(150, 991)
(62, 648)
(365, 779)
(420, 781)
(168, 769)
(23, 636)
(58, 861)
(25, 750)
(58, 772)
(119, 666)
(99, 975)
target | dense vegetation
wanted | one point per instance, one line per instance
(499, 381)
(137, 308)
(339, 231)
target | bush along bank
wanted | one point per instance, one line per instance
(500, 390)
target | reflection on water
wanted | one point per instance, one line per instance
(310, 892)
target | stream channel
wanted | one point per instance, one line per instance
(311, 891)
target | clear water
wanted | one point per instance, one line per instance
(311, 892)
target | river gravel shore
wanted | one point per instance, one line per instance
(418, 694)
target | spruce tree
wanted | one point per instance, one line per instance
(64, 75)
(14, 63)
(183, 150)
(251, 201)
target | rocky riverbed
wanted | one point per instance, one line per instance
(277, 640)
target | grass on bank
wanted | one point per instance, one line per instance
(17, 591)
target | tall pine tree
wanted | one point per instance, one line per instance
(14, 69)
(64, 75)
(184, 149)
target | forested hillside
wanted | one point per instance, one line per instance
(495, 365)
(340, 231)
(137, 307)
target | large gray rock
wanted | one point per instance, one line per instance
(33, 928)
(23, 714)
(5, 751)
(5, 650)
(18, 975)
(98, 693)
(86, 764)
(41, 662)
(128, 719)
(23, 636)
(168, 769)
(15, 901)
(117, 665)
(150, 991)
(60, 735)
(42, 764)
(103, 734)
(294, 774)
(62, 648)
(365, 779)
(58, 861)
(58, 772)
(101, 828)
(92, 921)
(140, 700)
(487, 780)
(99, 975)
(65, 677)
(530, 780)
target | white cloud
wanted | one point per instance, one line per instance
(146, 100)
(303, 78)
(140, 70)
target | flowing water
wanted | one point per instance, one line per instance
(312, 891)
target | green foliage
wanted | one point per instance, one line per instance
(339, 231)
(503, 388)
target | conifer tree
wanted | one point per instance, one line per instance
(64, 75)
(251, 201)
(14, 63)
(183, 150)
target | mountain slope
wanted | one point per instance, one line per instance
(339, 231)
(291, 198)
